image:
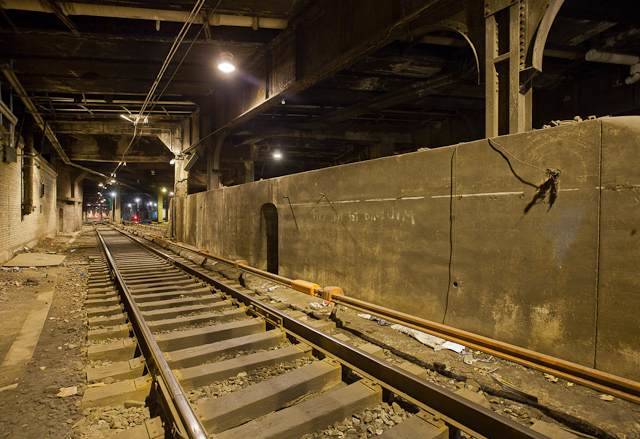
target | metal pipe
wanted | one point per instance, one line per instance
(595, 55)
(46, 129)
(617, 58)
(113, 11)
(623, 387)
(194, 428)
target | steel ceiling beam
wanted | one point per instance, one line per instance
(135, 13)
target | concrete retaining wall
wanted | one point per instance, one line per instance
(443, 234)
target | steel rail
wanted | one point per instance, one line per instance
(463, 411)
(586, 376)
(193, 428)
(596, 379)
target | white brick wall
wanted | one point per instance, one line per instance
(17, 231)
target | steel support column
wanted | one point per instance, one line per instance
(510, 28)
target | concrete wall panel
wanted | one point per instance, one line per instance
(618, 343)
(528, 277)
(381, 229)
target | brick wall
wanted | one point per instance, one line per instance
(16, 230)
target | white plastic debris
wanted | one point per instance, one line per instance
(319, 305)
(378, 320)
(468, 359)
(427, 339)
(455, 347)
(67, 391)
(436, 343)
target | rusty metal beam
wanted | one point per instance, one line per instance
(313, 48)
(40, 122)
(414, 91)
(62, 16)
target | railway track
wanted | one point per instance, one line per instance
(211, 359)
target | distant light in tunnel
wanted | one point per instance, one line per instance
(277, 154)
(164, 190)
(100, 184)
(171, 194)
(112, 181)
(172, 161)
(137, 200)
(129, 205)
(113, 194)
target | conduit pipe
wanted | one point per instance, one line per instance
(112, 11)
(595, 55)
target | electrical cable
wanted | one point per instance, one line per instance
(167, 61)
(205, 24)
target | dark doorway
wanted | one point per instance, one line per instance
(270, 223)
(61, 220)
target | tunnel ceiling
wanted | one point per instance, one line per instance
(420, 89)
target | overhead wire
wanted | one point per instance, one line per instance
(167, 61)
(184, 56)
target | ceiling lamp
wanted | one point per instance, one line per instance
(277, 155)
(226, 64)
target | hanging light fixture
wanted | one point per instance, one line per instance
(226, 64)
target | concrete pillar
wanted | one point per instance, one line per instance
(181, 175)
(249, 164)
(117, 209)
(160, 206)
(213, 152)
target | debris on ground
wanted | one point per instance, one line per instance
(378, 320)
(67, 391)
(550, 378)
(432, 341)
